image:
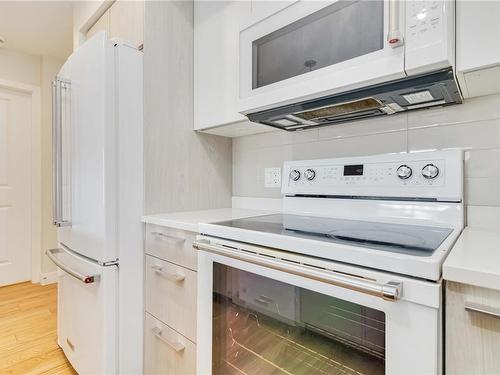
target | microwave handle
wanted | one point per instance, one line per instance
(395, 36)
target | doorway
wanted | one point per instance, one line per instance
(17, 174)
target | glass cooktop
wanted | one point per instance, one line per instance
(407, 239)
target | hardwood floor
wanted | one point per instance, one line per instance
(28, 331)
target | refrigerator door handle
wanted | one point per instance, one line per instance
(56, 94)
(84, 278)
(57, 138)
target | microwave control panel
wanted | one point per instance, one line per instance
(424, 21)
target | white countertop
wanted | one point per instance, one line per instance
(475, 259)
(190, 220)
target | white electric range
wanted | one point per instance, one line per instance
(346, 278)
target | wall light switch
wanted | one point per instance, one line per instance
(272, 177)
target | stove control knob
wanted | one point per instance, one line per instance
(404, 172)
(295, 174)
(310, 174)
(430, 171)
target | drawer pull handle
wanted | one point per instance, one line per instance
(482, 309)
(264, 300)
(174, 239)
(177, 346)
(175, 276)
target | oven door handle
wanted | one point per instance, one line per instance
(390, 291)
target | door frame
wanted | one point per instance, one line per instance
(36, 172)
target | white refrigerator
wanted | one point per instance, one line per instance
(98, 194)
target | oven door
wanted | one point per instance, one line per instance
(258, 314)
(315, 48)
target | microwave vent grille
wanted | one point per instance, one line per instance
(341, 110)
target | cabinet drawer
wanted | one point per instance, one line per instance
(167, 352)
(267, 296)
(173, 245)
(171, 295)
(472, 330)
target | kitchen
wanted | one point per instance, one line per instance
(353, 217)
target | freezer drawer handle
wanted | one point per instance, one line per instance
(178, 277)
(390, 291)
(482, 309)
(175, 239)
(177, 346)
(86, 279)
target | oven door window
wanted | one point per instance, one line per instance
(263, 326)
(336, 33)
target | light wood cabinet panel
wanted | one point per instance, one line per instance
(472, 337)
(166, 351)
(171, 295)
(173, 245)
(183, 170)
(126, 21)
(102, 24)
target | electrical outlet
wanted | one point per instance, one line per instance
(272, 177)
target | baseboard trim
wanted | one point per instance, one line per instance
(48, 278)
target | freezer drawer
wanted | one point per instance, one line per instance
(87, 313)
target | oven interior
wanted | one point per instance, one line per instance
(264, 326)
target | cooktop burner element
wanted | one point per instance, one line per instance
(408, 239)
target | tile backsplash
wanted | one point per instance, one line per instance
(473, 126)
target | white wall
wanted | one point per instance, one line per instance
(20, 67)
(473, 126)
(38, 71)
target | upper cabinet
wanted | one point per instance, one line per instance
(124, 20)
(263, 9)
(216, 68)
(478, 47)
(102, 24)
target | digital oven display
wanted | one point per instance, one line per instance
(353, 170)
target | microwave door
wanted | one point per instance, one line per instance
(314, 49)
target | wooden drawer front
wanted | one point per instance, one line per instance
(171, 295)
(472, 337)
(170, 244)
(267, 296)
(167, 352)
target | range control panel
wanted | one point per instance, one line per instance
(419, 175)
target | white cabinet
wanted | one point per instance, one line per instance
(263, 9)
(472, 330)
(102, 24)
(124, 20)
(216, 68)
(478, 47)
